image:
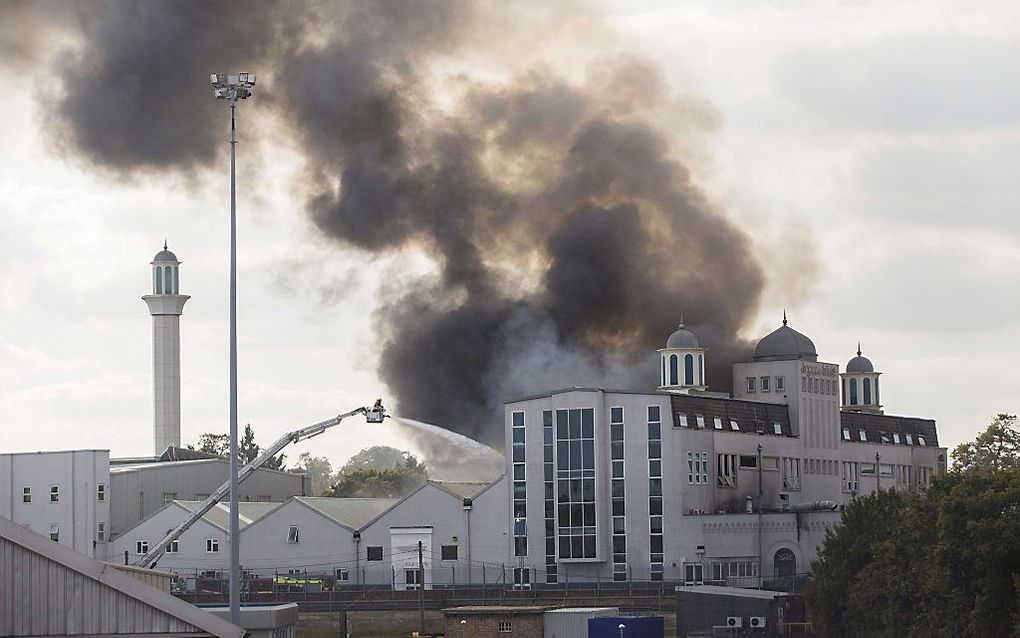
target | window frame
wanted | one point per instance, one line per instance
(54, 494)
(444, 549)
(369, 551)
(212, 546)
(293, 534)
(141, 547)
(26, 494)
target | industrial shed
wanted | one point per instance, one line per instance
(47, 589)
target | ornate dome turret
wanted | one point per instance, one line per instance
(785, 344)
(682, 362)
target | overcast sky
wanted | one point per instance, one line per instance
(869, 149)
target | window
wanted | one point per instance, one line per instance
(846, 434)
(850, 476)
(734, 426)
(688, 369)
(718, 423)
(770, 463)
(777, 428)
(726, 470)
(764, 384)
(504, 627)
(101, 492)
(748, 462)
(867, 391)
(618, 488)
(735, 568)
(54, 493)
(448, 552)
(169, 497)
(575, 476)
(174, 547)
(697, 468)
(159, 280)
(26, 494)
(791, 474)
(374, 553)
(100, 532)
(54, 532)
(212, 545)
(681, 419)
(750, 384)
(141, 547)
(853, 391)
(177, 281)
(293, 534)
(910, 440)
(867, 469)
(550, 491)
(780, 384)
(342, 574)
(674, 369)
(920, 440)
(896, 437)
(863, 435)
(520, 485)
(412, 578)
(694, 574)
(701, 370)
(701, 421)
(522, 578)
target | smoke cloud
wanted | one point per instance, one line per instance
(567, 230)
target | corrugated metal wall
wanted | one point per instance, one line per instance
(39, 597)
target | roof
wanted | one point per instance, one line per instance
(353, 513)
(91, 578)
(154, 463)
(464, 489)
(749, 416)
(576, 388)
(682, 338)
(247, 512)
(165, 255)
(737, 592)
(785, 344)
(875, 425)
(498, 609)
(174, 453)
(859, 363)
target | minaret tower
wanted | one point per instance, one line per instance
(682, 363)
(165, 305)
(860, 385)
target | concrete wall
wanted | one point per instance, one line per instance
(78, 512)
(138, 489)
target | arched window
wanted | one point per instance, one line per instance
(701, 369)
(689, 369)
(877, 401)
(853, 391)
(674, 369)
(168, 280)
(867, 391)
(159, 280)
(662, 377)
(846, 399)
(177, 282)
(784, 564)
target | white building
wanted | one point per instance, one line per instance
(689, 485)
(201, 550)
(166, 305)
(63, 495)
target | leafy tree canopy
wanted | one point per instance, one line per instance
(247, 449)
(379, 471)
(997, 447)
(319, 469)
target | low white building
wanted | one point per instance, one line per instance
(64, 495)
(201, 551)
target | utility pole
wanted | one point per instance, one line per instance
(421, 591)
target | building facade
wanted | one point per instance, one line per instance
(684, 484)
(63, 495)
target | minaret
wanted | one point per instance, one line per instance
(682, 363)
(165, 305)
(860, 385)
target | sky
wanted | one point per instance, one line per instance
(867, 150)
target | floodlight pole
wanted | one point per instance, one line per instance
(235, 525)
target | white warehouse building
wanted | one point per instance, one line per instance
(684, 484)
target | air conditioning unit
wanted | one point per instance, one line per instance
(756, 622)
(734, 621)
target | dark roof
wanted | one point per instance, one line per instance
(751, 417)
(173, 453)
(875, 425)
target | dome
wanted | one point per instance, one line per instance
(859, 363)
(165, 255)
(785, 344)
(682, 338)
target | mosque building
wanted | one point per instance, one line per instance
(685, 484)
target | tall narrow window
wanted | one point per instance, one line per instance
(159, 280)
(701, 369)
(689, 369)
(662, 378)
(26, 494)
(101, 532)
(674, 369)
(575, 490)
(853, 391)
(877, 401)
(101, 492)
(168, 280)
(293, 534)
(867, 391)
(54, 493)
(520, 503)
(177, 287)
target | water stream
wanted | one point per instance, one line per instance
(450, 456)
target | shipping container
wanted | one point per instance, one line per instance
(572, 622)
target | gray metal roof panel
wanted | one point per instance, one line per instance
(353, 513)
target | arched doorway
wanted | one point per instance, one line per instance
(784, 563)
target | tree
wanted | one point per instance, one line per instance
(247, 449)
(379, 471)
(218, 444)
(997, 447)
(319, 469)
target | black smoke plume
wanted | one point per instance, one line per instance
(567, 230)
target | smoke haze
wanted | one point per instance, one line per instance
(568, 232)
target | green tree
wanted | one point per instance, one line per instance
(319, 469)
(379, 471)
(997, 447)
(247, 449)
(378, 457)
(218, 444)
